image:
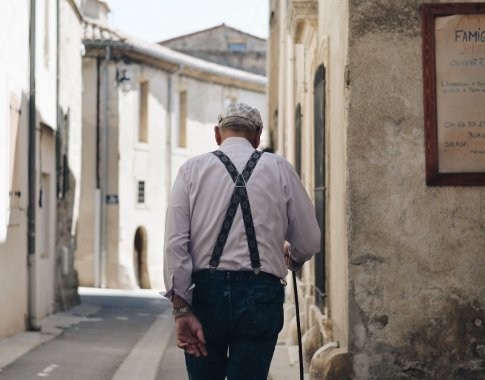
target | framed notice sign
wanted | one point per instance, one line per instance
(454, 93)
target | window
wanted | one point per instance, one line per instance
(237, 46)
(319, 178)
(182, 119)
(141, 192)
(143, 119)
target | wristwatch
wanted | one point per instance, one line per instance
(181, 310)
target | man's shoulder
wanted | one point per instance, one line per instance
(193, 161)
(278, 160)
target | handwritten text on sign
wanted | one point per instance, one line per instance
(460, 93)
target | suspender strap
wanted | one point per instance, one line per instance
(239, 196)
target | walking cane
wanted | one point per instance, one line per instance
(300, 345)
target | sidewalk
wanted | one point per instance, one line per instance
(280, 366)
(54, 325)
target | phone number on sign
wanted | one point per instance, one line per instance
(465, 124)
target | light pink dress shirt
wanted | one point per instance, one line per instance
(280, 207)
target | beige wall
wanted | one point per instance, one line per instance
(404, 271)
(84, 262)
(143, 162)
(109, 175)
(416, 252)
(45, 224)
(14, 126)
(213, 45)
(155, 161)
(205, 101)
(332, 52)
(13, 250)
(14, 87)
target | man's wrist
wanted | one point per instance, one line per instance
(181, 310)
(293, 265)
(178, 302)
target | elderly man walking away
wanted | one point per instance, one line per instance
(228, 218)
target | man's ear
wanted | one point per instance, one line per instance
(217, 135)
(257, 138)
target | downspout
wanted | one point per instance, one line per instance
(32, 324)
(97, 192)
(104, 160)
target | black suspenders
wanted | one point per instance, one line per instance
(239, 196)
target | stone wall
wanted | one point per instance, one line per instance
(214, 45)
(415, 252)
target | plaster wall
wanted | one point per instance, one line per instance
(84, 260)
(13, 250)
(154, 159)
(141, 161)
(70, 97)
(332, 53)
(46, 64)
(14, 88)
(214, 45)
(205, 101)
(215, 39)
(69, 138)
(416, 264)
(273, 70)
(45, 224)
(113, 277)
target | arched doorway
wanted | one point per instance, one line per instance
(140, 258)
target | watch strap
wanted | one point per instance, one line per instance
(181, 310)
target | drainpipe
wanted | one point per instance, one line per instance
(32, 324)
(97, 194)
(104, 178)
(102, 138)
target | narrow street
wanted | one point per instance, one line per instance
(111, 335)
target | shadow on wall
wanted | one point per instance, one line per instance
(66, 279)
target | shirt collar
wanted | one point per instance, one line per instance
(235, 141)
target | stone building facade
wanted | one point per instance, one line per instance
(224, 45)
(40, 83)
(147, 109)
(397, 289)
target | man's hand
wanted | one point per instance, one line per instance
(291, 264)
(189, 335)
(286, 249)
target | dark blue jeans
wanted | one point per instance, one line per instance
(241, 314)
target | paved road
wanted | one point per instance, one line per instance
(112, 335)
(128, 337)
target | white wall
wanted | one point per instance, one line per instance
(14, 87)
(70, 95)
(205, 101)
(4, 157)
(143, 162)
(46, 65)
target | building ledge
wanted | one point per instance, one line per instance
(302, 14)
